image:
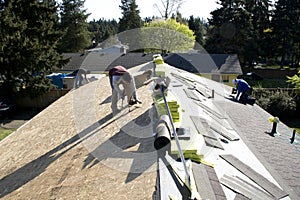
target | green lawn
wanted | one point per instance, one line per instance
(5, 132)
(270, 83)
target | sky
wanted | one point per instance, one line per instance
(109, 9)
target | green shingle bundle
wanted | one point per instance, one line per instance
(158, 59)
(162, 110)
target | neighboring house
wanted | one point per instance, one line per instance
(75, 60)
(130, 60)
(218, 67)
(113, 49)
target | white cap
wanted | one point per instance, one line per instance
(234, 81)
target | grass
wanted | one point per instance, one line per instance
(5, 132)
(270, 83)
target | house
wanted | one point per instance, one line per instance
(75, 60)
(76, 148)
(218, 67)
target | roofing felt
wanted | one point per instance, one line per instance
(76, 149)
(205, 63)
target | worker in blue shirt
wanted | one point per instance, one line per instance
(243, 89)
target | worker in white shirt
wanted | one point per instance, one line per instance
(119, 75)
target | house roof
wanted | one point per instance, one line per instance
(102, 60)
(130, 60)
(76, 149)
(205, 63)
(76, 60)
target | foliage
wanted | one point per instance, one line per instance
(237, 27)
(29, 35)
(5, 132)
(199, 27)
(286, 31)
(295, 80)
(74, 22)
(277, 103)
(103, 29)
(130, 18)
(168, 36)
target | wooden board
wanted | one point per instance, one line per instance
(256, 177)
(245, 188)
(191, 94)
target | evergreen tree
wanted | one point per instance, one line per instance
(74, 23)
(259, 48)
(129, 21)
(198, 26)
(131, 18)
(236, 27)
(178, 17)
(29, 34)
(103, 29)
(286, 30)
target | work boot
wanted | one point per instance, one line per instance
(138, 101)
(134, 101)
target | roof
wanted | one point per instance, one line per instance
(130, 60)
(76, 60)
(104, 60)
(205, 63)
(76, 149)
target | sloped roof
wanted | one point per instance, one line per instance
(99, 61)
(76, 60)
(130, 60)
(205, 63)
(76, 149)
(103, 61)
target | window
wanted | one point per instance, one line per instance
(225, 78)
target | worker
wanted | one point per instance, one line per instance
(243, 89)
(81, 75)
(119, 75)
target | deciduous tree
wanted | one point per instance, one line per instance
(168, 7)
(168, 36)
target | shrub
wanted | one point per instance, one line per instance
(278, 103)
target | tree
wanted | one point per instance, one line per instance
(130, 18)
(286, 30)
(74, 23)
(168, 7)
(237, 27)
(29, 35)
(260, 21)
(226, 21)
(103, 29)
(129, 21)
(198, 26)
(167, 36)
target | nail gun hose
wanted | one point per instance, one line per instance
(176, 137)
